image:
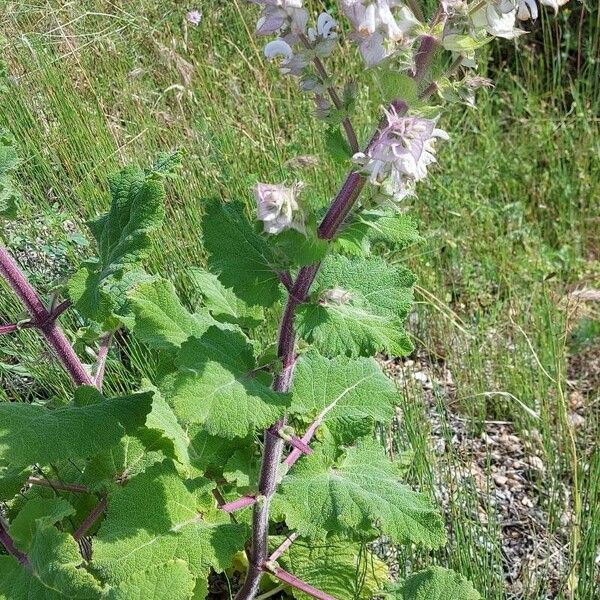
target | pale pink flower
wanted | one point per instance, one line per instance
(401, 154)
(194, 17)
(278, 207)
(380, 27)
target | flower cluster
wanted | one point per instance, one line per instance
(297, 43)
(382, 28)
(278, 207)
(401, 154)
(467, 25)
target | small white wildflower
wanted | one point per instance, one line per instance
(194, 17)
(281, 16)
(498, 19)
(278, 207)
(401, 154)
(380, 26)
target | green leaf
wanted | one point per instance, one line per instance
(343, 569)
(360, 308)
(55, 573)
(353, 494)
(156, 519)
(137, 209)
(396, 230)
(336, 145)
(171, 581)
(161, 321)
(12, 480)
(351, 394)
(23, 526)
(31, 433)
(217, 386)
(297, 250)
(8, 199)
(222, 303)
(123, 238)
(9, 159)
(434, 583)
(242, 258)
(162, 419)
(209, 453)
(243, 468)
(121, 462)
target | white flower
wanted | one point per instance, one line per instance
(281, 15)
(497, 19)
(402, 153)
(194, 17)
(380, 26)
(527, 9)
(555, 4)
(278, 208)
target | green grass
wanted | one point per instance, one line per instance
(510, 221)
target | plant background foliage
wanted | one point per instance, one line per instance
(508, 229)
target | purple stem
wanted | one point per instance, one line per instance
(8, 543)
(273, 443)
(43, 318)
(346, 123)
(238, 504)
(299, 584)
(90, 519)
(424, 56)
(299, 445)
(289, 540)
(4, 329)
(58, 485)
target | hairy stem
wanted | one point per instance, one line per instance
(10, 547)
(90, 519)
(298, 583)
(58, 485)
(346, 123)
(289, 540)
(44, 320)
(286, 347)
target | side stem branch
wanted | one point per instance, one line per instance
(45, 321)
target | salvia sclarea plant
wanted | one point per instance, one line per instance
(237, 458)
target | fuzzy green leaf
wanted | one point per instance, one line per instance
(222, 303)
(123, 238)
(351, 394)
(209, 453)
(162, 419)
(23, 526)
(31, 433)
(156, 519)
(434, 583)
(12, 479)
(217, 386)
(55, 570)
(243, 468)
(161, 321)
(394, 229)
(360, 308)
(320, 496)
(122, 461)
(170, 581)
(242, 258)
(343, 569)
(137, 208)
